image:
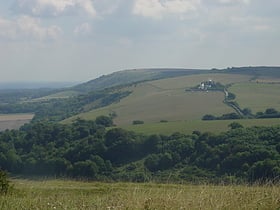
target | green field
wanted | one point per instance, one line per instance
(257, 96)
(57, 194)
(167, 99)
(187, 127)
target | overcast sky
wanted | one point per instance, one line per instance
(78, 40)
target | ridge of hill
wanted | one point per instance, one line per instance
(126, 77)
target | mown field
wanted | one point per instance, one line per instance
(167, 99)
(57, 194)
(14, 121)
(187, 127)
(257, 96)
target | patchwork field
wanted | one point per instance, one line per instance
(167, 99)
(14, 121)
(55, 194)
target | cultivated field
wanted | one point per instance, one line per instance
(187, 127)
(14, 121)
(257, 96)
(55, 194)
(167, 99)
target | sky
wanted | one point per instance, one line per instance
(79, 40)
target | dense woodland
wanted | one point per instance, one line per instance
(87, 149)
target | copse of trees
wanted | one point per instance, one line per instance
(247, 113)
(229, 116)
(87, 149)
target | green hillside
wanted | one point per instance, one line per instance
(153, 95)
(257, 96)
(167, 99)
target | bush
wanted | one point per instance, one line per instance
(104, 120)
(137, 122)
(4, 183)
(208, 117)
(231, 96)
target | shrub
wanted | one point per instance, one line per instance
(4, 183)
(137, 122)
(104, 120)
(208, 117)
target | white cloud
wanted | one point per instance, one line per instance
(107, 7)
(159, 8)
(83, 29)
(27, 28)
(55, 7)
(232, 2)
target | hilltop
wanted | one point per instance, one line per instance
(126, 77)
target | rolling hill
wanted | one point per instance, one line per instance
(166, 99)
(153, 96)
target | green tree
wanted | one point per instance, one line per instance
(235, 125)
(4, 183)
(104, 120)
(271, 111)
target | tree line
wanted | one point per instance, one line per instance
(87, 149)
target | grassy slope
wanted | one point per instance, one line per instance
(257, 96)
(167, 99)
(55, 194)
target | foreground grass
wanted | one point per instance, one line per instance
(57, 194)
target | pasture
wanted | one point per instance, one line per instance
(187, 127)
(14, 121)
(167, 99)
(257, 96)
(63, 194)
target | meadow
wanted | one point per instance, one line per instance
(14, 121)
(187, 127)
(257, 96)
(65, 194)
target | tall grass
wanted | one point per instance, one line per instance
(55, 194)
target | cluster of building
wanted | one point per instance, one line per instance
(206, 85)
